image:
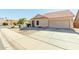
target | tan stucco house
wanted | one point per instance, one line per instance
(76, 21)
(59, 19)
(10, 22)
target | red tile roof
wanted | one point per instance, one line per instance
(65, 13)
(39, 16)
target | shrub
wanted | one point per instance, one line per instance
(5, 23)
(14, 23)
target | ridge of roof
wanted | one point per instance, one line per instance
(57, 11)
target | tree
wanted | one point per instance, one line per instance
(14, 23)
(21, 22)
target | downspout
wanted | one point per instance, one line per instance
(70, 24)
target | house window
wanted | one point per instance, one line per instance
(37, 22)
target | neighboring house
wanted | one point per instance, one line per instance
(2, 20)
(59, 19)
(76, 21)
(10, 22)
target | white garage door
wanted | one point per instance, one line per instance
(58, 24)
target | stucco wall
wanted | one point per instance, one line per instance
(76, 24)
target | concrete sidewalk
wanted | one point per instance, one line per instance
(21, 42)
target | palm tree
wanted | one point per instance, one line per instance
(21, 22)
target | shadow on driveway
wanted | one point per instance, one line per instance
(73, 31)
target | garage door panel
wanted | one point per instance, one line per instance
(59, 24)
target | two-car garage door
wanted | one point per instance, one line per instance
(59, 24)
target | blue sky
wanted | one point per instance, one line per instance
(26, 13)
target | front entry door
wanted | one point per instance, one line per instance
(33, 23)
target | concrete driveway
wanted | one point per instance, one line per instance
(62, 38)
